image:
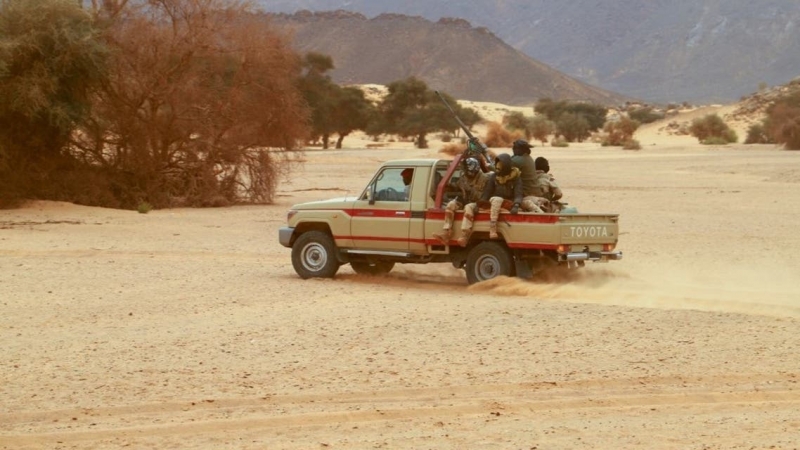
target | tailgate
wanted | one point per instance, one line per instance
(590, 237)
(589, 228)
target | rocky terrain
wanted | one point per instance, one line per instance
(712, 51)
(467, 62)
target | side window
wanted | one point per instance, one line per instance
(392, 185)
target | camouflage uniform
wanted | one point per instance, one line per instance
(471, 189)
(546, 190)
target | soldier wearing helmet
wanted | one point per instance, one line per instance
(471, 184)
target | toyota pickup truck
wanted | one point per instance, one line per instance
(392, 222)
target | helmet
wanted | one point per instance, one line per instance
(472, 166)
(521, 147)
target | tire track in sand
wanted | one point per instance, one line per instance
(292, 411)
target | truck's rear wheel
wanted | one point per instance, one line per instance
(488, 260)
(314, 255)
(377, 268)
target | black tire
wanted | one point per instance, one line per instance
(314, 255)
(488, 260)
(378, 268)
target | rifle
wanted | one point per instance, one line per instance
(474, 146)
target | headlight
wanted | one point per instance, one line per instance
(290, 214)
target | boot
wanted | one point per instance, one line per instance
(493, 230)
(443, 236)
(464, 239)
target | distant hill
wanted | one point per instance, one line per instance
(659, 50)
(467, 62)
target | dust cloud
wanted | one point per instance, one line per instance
(766, 291)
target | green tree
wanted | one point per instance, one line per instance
(711, 129)
(410, 109)
(50, 59)
(645, 114)
(515, 120)
(541, 128)
(468, 116)
(320, 94)
(574, 127)
(574, 120)
(351, 111)
(594, 114)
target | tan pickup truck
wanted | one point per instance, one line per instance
(391, 222)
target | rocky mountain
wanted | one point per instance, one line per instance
(450, 54)
(658, 50)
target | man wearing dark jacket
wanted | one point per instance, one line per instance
(523, 161)
(503, 190)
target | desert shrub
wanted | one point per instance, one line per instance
(620, 131)
(446, 137)
(144, 207)
(757, 134)
(498, 136)
(645, 115)
(712, 126)
(783, 121)
(559, 142)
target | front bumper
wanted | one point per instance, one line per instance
(285, 236)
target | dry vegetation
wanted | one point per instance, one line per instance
(173, 102)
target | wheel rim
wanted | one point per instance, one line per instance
(314, 257)
(487, 267)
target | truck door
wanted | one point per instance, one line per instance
(383, 224)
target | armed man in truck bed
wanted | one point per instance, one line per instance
(504, 191)
(471, 184)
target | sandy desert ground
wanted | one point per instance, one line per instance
(188, 328)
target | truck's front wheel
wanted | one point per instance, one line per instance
(314, 255)
(488, 260)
